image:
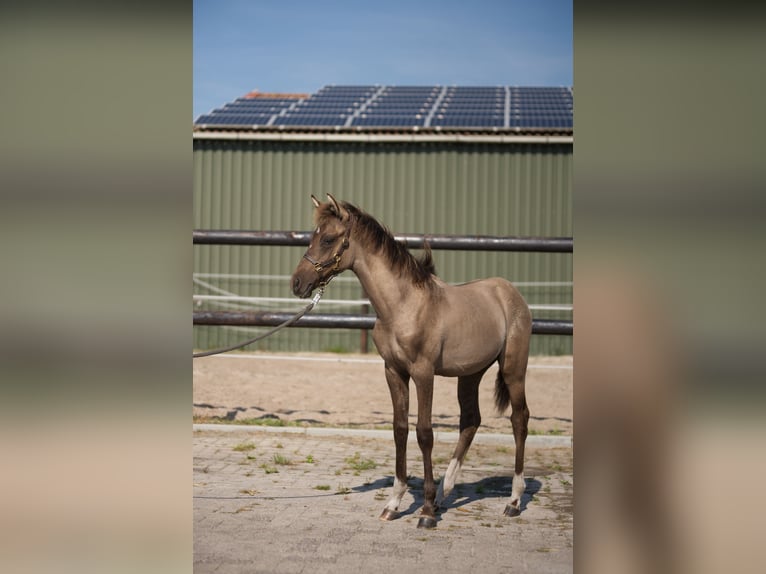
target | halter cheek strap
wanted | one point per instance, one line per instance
(334, 261)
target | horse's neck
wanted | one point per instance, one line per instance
(388, 293)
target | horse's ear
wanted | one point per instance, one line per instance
(315, 201)
(336, 207)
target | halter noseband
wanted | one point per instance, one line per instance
(334, 261)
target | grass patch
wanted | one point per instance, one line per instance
(310, 459)
(281, 460)
(262, 422)
(268, 469)
(337, 349)
(322, 487)
(276, 422)
(358, 463)
(244, 447)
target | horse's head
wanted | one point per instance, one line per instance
(327, 254)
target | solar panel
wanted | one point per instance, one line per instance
(371, 106)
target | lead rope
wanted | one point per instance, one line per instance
(287, 323)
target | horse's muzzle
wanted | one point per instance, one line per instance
(302, 288)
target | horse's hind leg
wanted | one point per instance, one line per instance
(398, 385)
(470, 419)
(513, 369)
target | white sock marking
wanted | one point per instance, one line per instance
(396, 498)
(448, 481)
(517, 490)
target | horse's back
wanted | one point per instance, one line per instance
(496, 293)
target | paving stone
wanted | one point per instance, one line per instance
(247, 520)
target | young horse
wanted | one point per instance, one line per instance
(426, 327)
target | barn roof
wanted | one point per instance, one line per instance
(400, 110)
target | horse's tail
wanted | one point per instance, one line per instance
(502, 394)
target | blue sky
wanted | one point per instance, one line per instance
(300, 46)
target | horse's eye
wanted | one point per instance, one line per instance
(327, 241)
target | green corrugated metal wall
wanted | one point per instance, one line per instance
(451, 188)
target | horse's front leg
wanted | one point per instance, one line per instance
(398, 385)
(425, 388)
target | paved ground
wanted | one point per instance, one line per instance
(268, 501)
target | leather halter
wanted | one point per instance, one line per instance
(334, 261)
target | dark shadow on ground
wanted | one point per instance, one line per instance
(465, 493)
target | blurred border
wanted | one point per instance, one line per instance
(95, 213)
(669, 322)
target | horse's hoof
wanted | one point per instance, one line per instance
(427, 522)
(389, 514)
(511, 510)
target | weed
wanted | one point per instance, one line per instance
(281, 460)
(358, 463)
(322, 487)
(310, 459)
(244, 447)
(268, 469)
(343, 489)
(265, 421)
(338, 349)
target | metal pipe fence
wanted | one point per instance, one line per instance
(366, 322)
(336, 321)
(412, 240)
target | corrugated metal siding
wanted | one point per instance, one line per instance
(483, 189)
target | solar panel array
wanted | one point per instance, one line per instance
(501, 107)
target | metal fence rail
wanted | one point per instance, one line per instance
(414, 241)
(332, 320)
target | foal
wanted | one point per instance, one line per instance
(426, 327)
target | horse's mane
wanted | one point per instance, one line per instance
(379, 238)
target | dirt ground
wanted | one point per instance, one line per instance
(350, 391)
